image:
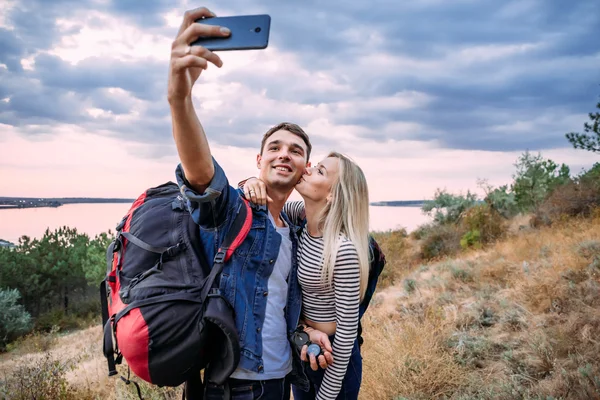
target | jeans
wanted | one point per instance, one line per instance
(240, 389)
(350, 384)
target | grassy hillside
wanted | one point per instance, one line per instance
(519, 319)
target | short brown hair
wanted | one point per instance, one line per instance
(292, 128)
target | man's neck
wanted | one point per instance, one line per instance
(279, 198)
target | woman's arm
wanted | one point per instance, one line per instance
(255, 190)
(295, 211)
(346, 281)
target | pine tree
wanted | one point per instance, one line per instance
(590, 139)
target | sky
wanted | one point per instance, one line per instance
(422, 95)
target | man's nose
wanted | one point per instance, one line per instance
(284, 154)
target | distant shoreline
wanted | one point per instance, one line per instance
(11, 203)
(399, 203)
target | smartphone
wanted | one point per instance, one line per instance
(248, 32)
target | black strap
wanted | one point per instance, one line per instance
(110, 252)
(194, 388)
(185, 296)
(142, 244)
(128, 381)
(107, 344)
(108, 348)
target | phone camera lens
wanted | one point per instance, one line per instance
(257, 29)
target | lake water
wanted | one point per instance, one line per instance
(97, 218)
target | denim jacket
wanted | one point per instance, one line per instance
(244, 278)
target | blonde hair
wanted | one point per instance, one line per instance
(346, 214)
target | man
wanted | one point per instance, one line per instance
(260, 281)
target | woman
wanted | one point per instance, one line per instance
(333, 266)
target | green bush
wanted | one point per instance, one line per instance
(447, 208)
(535, 179)
(471, 239)
(500, 199)
(444, 240)
(14, 320)
(483, 225)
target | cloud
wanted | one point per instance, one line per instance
(466, 75)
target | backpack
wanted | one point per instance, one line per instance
(162, 309)
(376, 266)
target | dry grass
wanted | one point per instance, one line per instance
(517, 320)
(409, 357)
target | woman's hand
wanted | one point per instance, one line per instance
(255, 190)
(321, 339)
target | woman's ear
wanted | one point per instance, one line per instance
(329, 198)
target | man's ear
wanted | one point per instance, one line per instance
(258, 159)
(308, 164)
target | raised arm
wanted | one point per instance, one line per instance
(186, 64)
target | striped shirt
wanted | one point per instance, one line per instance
(323, 303)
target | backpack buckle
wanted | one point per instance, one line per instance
(219, 257)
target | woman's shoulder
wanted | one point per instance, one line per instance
(346, 246)
(345, 241)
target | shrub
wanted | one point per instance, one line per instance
(471, 239)
(461, 274)
(535, 178)
(442, 241)
(14, 320)
(501, 199)
(483, 225)
(576, 198)
(410, 285)
(446, 208)
(422, 231)
(56, 318)
(41, 378)
(589, 249)
(395, 247)
(35, 342)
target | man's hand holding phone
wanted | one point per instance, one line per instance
(187, 61)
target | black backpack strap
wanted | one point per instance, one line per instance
(107, 345)
(144, 245)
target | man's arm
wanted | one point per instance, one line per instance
(186, 64)
(192, 145)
